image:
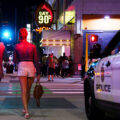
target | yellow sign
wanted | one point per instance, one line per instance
(41, 28)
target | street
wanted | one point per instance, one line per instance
(62, 100)
(74, 42)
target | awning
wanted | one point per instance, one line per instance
(55, 38)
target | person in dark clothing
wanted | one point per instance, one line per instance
(9, 67)
(95, 52)
(64, 57)
(65, 67)
(60, 65)
(82, 67)
(44, 65)
(57, 70)
(70, 71)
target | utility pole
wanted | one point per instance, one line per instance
(86, 53)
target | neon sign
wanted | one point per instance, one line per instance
(44, 15)
(41, 28)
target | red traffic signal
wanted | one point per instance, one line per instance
(94, 38)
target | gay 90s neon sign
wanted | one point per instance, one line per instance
(44, 15)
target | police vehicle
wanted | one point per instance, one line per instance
(102, 88)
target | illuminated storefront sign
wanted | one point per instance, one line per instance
(44, 15)
(41, 28)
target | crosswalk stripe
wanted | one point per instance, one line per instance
(67, 92)
(65, 89)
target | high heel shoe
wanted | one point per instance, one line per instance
(27, 116)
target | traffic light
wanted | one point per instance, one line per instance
(94, 38)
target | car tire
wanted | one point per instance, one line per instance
(92, 112)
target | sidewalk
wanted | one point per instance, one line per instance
(63, 80)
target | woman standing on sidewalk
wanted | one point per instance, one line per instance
(25, 55)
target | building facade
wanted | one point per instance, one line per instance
(86, 17)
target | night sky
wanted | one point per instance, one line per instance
(18, 11)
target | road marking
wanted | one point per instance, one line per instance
(67, 92)
(66, 89)
(10, 96)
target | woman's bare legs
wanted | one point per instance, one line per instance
(52, 76)
(48, 77)
(24, 87)
(30, 82)
(26, 84)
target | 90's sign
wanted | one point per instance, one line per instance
(44, 15)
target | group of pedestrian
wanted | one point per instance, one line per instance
(53, 66)
(25, 57)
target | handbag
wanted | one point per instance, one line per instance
(37, 93)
